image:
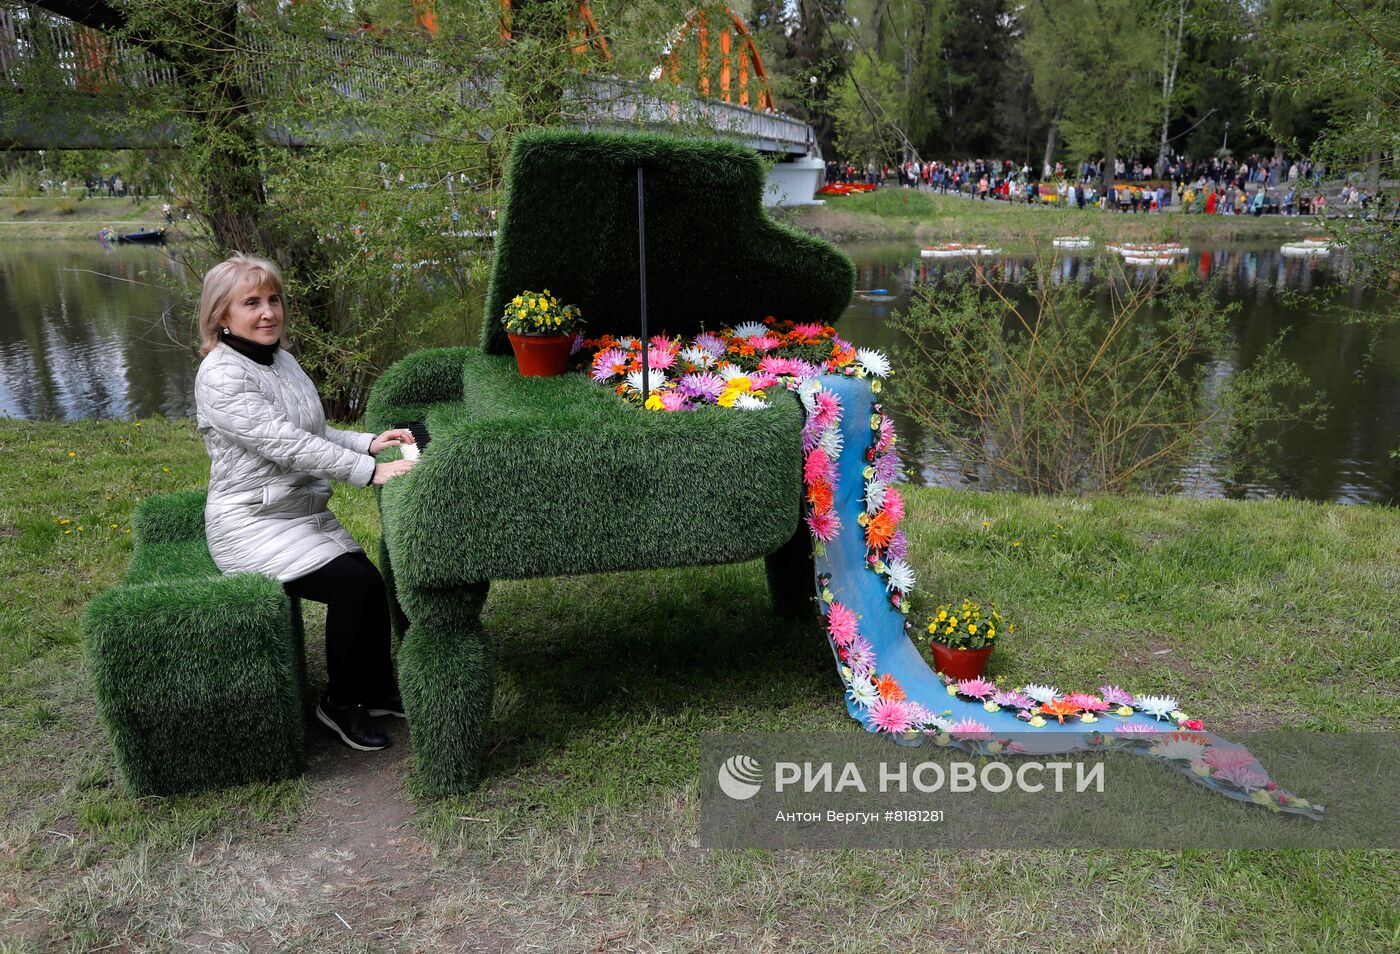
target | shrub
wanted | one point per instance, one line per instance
(1066, 393)
(67, 206)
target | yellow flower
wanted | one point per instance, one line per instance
(72, 454)
(727, 399)
(942, 615)
(64, 521)
(991, 631)
(933, 627)
(986, 523)
(740, 383)
(654, 402)
(972, 629)
(1015, 543)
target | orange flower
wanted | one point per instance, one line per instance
(819, 496)
(879, 531)
(889, 689)
(1059, 708)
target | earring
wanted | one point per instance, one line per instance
(223, 330)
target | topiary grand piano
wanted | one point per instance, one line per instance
(514, 463)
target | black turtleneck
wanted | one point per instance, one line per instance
(261, 353)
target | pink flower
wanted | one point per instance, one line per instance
(780, 366)
(1229, 757)
(886, 437)
(828, 409)
(975, 688)
(704, 384)
(710, 343)
(1194, 724)
(1243, 776)
(808, 330)
(1087, 701)
(674, 401)
(608, 363)
(841, 623)
(824, 526)
(817, 467)
(659, 359)
(764, 342)
(894, 504)
(1115, 696)
(760, 381)
(1136, 728)
(969, 729)
(1013, 700)
(664, 343)
(862, 654)
(890, 715)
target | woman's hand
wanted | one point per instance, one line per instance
(387, 471)
(392, 438)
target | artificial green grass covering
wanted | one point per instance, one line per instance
(547, 476)
(714, 256)
(199, 677)
(413, 385)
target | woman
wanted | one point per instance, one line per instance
(272, 458)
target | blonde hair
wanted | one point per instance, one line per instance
(221, 283)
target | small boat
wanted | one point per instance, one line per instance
(143, 236)
(1306, 249)
(1156, 260)
(1159, 250)
(956, 249)
(868, 296)
(1072, 241)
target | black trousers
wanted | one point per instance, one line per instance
(357, 627)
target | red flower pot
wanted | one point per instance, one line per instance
(960, 663)
(541, 356)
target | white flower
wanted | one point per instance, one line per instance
(874, 496)
(696, 356)
(901, 575)
(831, 442)
(1159, 707)
(1183, 749)
(751, 329)
(862, 692)
(656, 380)
(1040, 693)
(807, 391)
(731, 371)
(873, 362)
(748, 402)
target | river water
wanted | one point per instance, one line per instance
(93, 333)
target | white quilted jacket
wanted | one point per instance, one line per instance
(272, 458)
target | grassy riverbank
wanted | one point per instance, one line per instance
(896, 213)
(583, 837)
(67, 217)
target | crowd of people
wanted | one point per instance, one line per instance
(1255, 185)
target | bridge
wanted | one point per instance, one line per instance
(74, 38)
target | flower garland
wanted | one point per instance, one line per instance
(734, 367)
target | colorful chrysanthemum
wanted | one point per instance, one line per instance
(609, 362)
(890, 715)
(711, 343)
(819, 496)
(890, 688)
(660, 359)
(886, 435)
(1247, 777)
(841, 623)
(824, 526)
(696, 356)
(828, 410)
(874, 496)
(749, 329)
(808, 329)
(656, 380)
(1011, 699)
(1229, 757)
(1158, 707)
(1185, 750)
(862, 653)
(1115, 696)
(1087, 701)
(762, 381)
(704, 385)
(899, 546)
(674, 401)
(887, 469)
(832, 442)
(730, 371)
(978, 688)
(894, 504)
(861, 690)
(899, 576)
(748, 402)
(969, 729)
(873, 362)
(816, 467)
(1136, 728)
(764, 342)
(1039, 693)
(879, 529)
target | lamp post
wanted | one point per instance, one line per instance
(1225, 143)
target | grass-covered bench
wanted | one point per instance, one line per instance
(528, 477)
(199, 677)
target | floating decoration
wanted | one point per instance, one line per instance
(958, 250)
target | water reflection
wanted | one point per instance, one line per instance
(84, 333)
(1347, 460)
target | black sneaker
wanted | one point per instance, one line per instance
(352, 724)
(389, 704)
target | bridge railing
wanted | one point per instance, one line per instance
(89, 61)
